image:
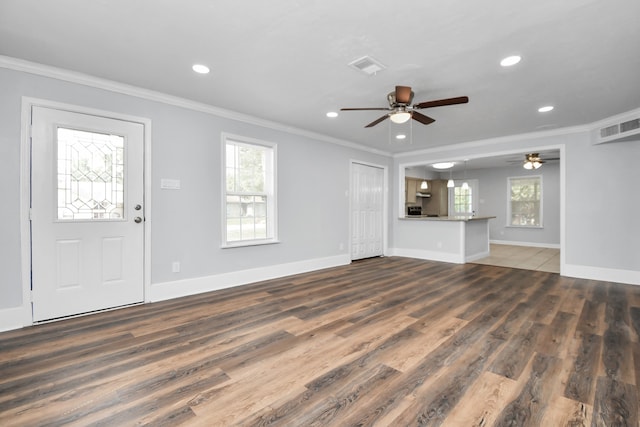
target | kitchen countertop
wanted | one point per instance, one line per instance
(446, 218)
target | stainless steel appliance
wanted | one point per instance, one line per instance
(414, 210)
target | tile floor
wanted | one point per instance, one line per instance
(524, 257)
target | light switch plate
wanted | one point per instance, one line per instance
(170, 184)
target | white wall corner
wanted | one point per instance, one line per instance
(629, 277)
(180, 288)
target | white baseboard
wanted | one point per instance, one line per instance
(11, 318)
(477, 256)
(428, 255)
(629, 277)
(197, 285)
(535, 245)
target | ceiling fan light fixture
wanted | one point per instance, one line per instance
(400, 117)
(532, 161)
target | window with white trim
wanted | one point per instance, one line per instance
(525, 201)
(249, 197)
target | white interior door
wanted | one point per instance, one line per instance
(367, 204)
(87, 218)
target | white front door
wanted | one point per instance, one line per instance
(87, 218)
(367, 205)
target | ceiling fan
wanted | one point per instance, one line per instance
(401, 109)
(533, 160)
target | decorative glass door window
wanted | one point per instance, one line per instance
(90, 169)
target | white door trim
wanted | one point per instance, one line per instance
(25, 192)
(385, 204)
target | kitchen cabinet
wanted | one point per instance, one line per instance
(411, 186)
(438, 203)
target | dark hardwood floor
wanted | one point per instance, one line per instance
(384, 341)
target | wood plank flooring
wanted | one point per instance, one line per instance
(384, 341)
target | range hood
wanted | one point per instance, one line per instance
(423, 194)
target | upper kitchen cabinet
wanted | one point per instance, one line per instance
(411, 186)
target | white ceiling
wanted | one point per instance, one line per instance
(286, 60)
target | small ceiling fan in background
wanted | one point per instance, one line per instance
(533, 160)
(401, 110)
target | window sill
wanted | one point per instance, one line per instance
(246, 243)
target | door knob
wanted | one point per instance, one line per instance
(137, 220)
(137, 207)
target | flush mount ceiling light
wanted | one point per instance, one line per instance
(545, 109)
(332, 114)
(443, 165)
(200, 69)
(401, 136)
(510, 61)
(400, 117)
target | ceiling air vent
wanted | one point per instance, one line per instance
(609, 131)
(627, 129)
(367, 65)
(630, 125)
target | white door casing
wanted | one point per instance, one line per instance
(367, 211)
(87, 248)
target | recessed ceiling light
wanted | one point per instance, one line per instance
(401, 136)
(200, 69)
(443, 165)
(545, 109)
(332, 114)
(510, 60)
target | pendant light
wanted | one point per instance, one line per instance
(450, 183)
(424, 185)
(465, 184)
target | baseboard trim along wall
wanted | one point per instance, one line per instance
(180, 288)
(535, 245)
(428, 255)
(629, 277)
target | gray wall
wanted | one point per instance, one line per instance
(313, 178)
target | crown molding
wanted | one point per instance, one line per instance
(150, 95)
(498, 140)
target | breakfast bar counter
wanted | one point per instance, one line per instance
(457, 239)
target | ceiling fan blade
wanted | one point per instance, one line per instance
(425, 120)
(442, 102)
(375, 122)
(403, 94)
(365, 109)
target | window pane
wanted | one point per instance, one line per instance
(249, 191)
(525, 203)
(90, 175)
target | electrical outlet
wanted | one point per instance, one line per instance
(175, 267)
